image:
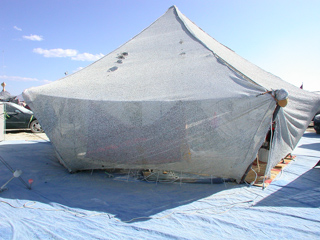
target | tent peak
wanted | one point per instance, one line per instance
(173, 6)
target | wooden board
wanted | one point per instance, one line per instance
(256, 174)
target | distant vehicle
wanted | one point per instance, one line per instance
(316, 123)
(18, 117)
(316, 115)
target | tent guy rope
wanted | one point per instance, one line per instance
(16, 174)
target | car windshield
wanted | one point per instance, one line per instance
(20, 108)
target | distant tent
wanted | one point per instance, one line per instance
(5, 96)
(171, 98)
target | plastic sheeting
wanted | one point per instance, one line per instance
(171, 98)
(91, 205)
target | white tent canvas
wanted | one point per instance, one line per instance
(171, 98)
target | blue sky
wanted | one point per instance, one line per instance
(40, 40)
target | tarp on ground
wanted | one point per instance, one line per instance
(93, 205)
(171, 98)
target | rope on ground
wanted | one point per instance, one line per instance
(30, 204)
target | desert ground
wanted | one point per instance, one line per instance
(24, 135)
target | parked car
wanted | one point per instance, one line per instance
(316, 123)
(18, 117)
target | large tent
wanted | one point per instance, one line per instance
(171, 98)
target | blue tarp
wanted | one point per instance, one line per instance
(91, 205)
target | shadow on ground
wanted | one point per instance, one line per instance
(94, 191)
(304, 191)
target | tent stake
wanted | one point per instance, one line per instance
(15, 174)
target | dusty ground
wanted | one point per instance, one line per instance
(24, 135)
(310, 129)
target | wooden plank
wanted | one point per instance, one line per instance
(256, 174)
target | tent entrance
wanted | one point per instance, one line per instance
(257, 177)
